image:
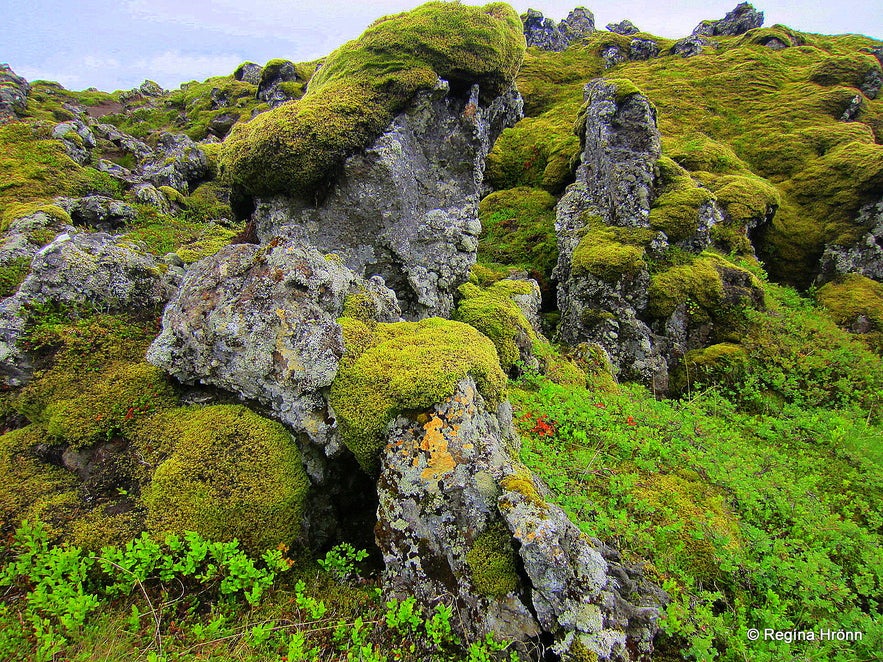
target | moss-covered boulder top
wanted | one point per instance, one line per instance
(295, 148)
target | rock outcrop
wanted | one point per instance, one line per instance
(739, 21)
(260, 322)
(83, 271)
(606, 235)
(406, 209)
(459, 518)
(13, 94)
(544, 33)
(865, 256)
(624, 27)
(271, 88)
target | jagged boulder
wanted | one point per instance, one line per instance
(95, 271)
(77, 139)
(406, 208)
(123, 141)
(624, 27)
(459, 517)
(178, 162)
(97, 211)
(613, 55)
(261, 322)
(13, 94)
(248, 72)
(271, 86)
(689, 46)
(643, 49)
(739, 21)
(542, 32)
(626, 210)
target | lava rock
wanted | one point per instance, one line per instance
(77, 138)
(542, 32)
(178, 162)
(689, 46)
(643, 49)
(865, 256)
(13, 94)
(270, 88)
(406, 208)
(739, 21)
(248, 72)
(97, 211)
(624, 27)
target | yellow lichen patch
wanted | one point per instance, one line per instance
(439, 460)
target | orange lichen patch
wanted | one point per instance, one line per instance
(439, 460)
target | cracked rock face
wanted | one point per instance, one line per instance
(406, 209)
(460, 519)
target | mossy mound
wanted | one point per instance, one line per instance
(518, 229)
(391, 369)
(295, 148)
(232, 474)
(610, 253)
(31, 488)
(856, 303)
(491, 562)
(698, 526)
(493, 312)
(722, 363)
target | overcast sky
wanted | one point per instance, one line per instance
(115, 44)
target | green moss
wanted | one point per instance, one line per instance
(610, 253)
(493, 312)
(693, 518)
(209, 202)
(362, 85)
(491, 562)
(173, 195)
(12, 275)
(30, 487)
(98, 528)
(624, 88)
(699, 282)
(855, 300)
(676, 210)
(232, 474)
(723, 363)
(186, 234)
(392, 369)
(746, 198)
(844, 70)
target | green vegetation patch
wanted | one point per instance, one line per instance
(362, 85)
(392, 369)
(518, 229)
(676, 210)
(12, 275)
(232, 474)
(699, 283)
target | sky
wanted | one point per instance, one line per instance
(116, 44)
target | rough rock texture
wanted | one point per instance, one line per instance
(739, 21)
(270, 88)
(248, 72)
(77, 139)
(625, 27)
(123, 141)
(872, 83)
(97, 211)
(459, 518)
(178, 162)
(643, 49)
(620, 150)
(579, 24)
(608, 301)
(19, 241)
(613, 55)
(13, 94)
(689, 46)
(542, 32)
(545, 34)
(261, 322)
(97, 271)
(406, 208)
(865, 256)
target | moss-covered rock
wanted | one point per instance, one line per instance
(722, 363)
(699, 282)
(362, 85)
(402, 367)
(677, 209)
(232, 474)
(493, 312)
(610, 253)
(856, 303)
